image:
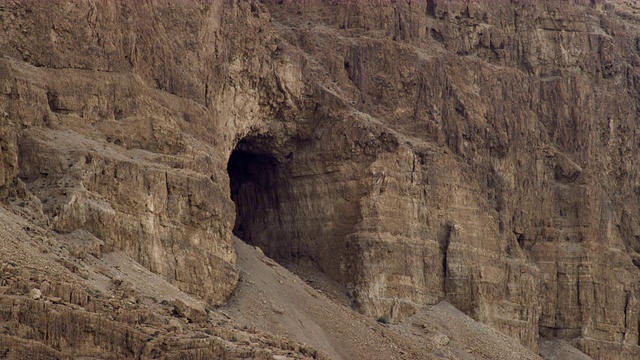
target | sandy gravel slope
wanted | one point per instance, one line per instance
(271, 298)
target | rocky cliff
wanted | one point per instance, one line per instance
(477, 152)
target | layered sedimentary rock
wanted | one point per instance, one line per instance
(498, 171)
(482, 153)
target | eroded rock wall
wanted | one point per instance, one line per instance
(482, 153)
(119, 118)
(512, 191)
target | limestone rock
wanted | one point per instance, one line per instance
(35, 294)
(412, 151)
(441, 339)
(81, 243)
(193, 312)
(174, 325)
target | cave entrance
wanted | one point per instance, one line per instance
(302, 220)
(258, 188)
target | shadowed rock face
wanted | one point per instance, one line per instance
(482, 153)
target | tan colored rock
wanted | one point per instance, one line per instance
(174, 325)
(81, 243)
(412, 151)
(441, 339)
(35, 294)
(192, 312)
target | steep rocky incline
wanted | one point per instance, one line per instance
(481, 153)
(272, 299)
(61, 298)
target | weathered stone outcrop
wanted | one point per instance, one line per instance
(60, 302)
(413, 151)
(509, 183)
(105, 151)
(35, 329)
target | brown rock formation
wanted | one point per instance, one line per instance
(477, 152)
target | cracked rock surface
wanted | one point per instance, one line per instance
(396, 154)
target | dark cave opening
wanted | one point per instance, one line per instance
(257, 187)
(300, 221)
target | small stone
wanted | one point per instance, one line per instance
(277, 309)
(35, 294)
(441, 339)
(174, 325)
(25, 274)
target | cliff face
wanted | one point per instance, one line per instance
(482, 153)
(107, 114)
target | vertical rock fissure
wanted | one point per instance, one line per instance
(627, 297)
(444, 248)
